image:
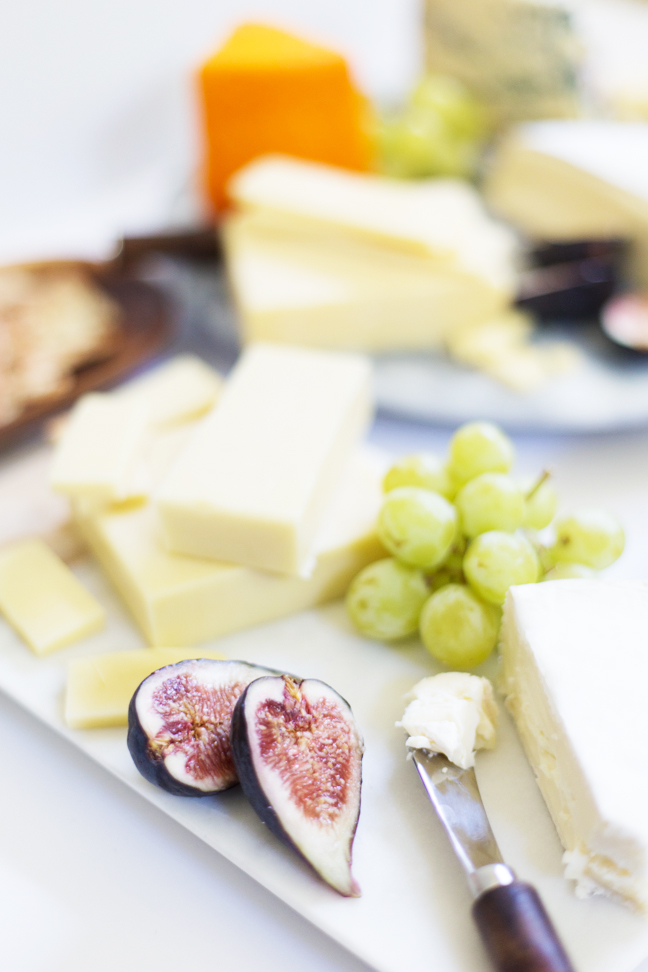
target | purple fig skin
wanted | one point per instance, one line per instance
(253, 788)
(149, 756)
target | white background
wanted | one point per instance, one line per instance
(99, 131)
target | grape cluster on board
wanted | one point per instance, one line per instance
(439, 131)
(461, 532)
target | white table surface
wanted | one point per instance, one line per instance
(93, 878)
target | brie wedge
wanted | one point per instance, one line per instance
(574, 657)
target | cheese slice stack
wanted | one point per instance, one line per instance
(561, 180)
(330, 258)
(574, 659)
(182, 600)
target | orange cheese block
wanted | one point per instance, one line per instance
(267, 91)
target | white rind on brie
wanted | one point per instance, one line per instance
(574, 657)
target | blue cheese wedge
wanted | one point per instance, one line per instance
(574, 655)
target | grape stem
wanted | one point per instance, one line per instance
(542, 478)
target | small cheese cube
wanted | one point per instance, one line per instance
(178, 391)
(99, 688)
(42, 599)
(255, 480)
(267, 91)
(95, 457)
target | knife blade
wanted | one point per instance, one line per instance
(514, 926)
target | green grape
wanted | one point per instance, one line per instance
(458, 628)
(385, 600)
(496, 560)
(492, 501)
(591, 536)
(417, 526)
(448, 98)
(451, 570)
(476, 448)
(541, 502)
(567, 571)
(423, 469)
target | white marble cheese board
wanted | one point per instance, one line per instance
(414, 912)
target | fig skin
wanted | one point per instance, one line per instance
(150, 759)
(340, 878)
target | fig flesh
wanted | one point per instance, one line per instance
(298, 755)
(179, 724)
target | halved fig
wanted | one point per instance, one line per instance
(298, 755)
(179, 724)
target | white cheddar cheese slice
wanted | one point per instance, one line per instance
(97, 453)
(574, 656)
(254, 482)
(440, 218)
(180, 390)
(99, 688)
(180, 600)
(42, 599)
(330, 290)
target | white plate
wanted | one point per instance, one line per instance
(606, 392)
(415, 909)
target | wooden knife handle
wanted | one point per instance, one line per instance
(517, 931)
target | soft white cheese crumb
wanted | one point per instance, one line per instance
(453, 713)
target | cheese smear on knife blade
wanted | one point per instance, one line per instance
(453, 713)
(254, 482)
(574, 657)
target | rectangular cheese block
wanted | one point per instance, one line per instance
(42, 599)
(562, 180)
(574, 656)
(179, 390)
(326, 288)
(255, 480)
(99, 688)
(443, 219)
(97, 453)
(180, 600)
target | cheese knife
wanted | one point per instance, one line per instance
(514, 926)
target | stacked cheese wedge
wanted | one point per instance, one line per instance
(330, 258)
(576, 179)
(213, 517)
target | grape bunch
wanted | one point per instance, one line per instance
(460, 534)
(440, 131)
